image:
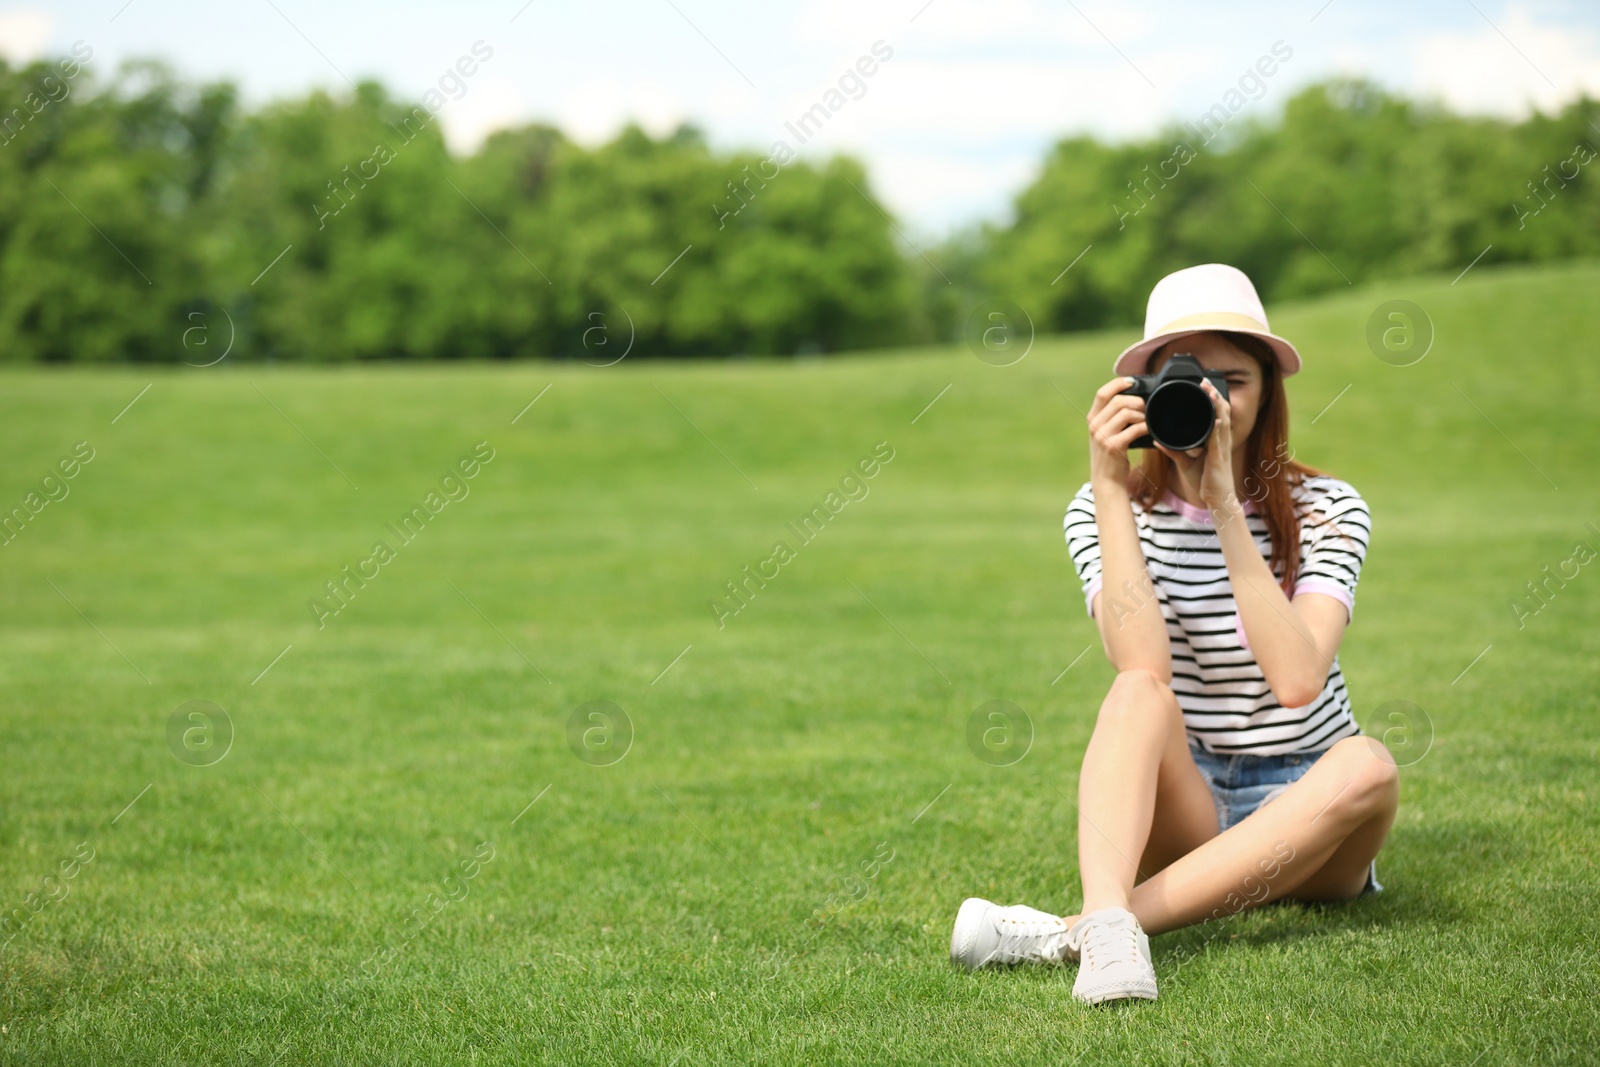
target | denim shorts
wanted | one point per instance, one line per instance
(1240, 783)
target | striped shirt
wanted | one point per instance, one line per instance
(1227, 705)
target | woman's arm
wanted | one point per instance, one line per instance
(1293, 642)
(1134, 636)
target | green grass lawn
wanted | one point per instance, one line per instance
(770, 872)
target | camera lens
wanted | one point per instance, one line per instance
(1180, 415)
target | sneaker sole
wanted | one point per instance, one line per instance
(1105, 994)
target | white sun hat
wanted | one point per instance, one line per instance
(1211, 296)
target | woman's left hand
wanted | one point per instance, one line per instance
(1207, 472)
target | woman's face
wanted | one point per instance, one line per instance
(1242, 373)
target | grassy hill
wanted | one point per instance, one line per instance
(322, 893)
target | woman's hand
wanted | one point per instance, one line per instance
(1207, 472)
(1137, 639)
(1114, 422)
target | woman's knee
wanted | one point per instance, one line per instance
(1138, 693)
(1369, 779)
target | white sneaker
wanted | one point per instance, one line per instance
(988, 933)
(1115, 957)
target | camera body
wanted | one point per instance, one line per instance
(1176, 409)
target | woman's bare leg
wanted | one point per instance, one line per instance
(1314, 842)
(1137, 764)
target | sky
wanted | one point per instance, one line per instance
(952, 124)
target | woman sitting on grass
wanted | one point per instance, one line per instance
(1222, 580)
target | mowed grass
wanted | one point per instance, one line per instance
(307, 899)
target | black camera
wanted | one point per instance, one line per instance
(1176, 409)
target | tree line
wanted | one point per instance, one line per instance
(145, 218)
(1350, 184)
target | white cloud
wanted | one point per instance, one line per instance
(729, 104)
(919, 186)
(978, 101)
(1535, 65)
(594, 110)
(23, 33)
(492, 104)
(968, 23)
(950, 140)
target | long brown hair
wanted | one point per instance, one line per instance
(1271, 471)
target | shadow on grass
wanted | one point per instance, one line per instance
(1284, 921)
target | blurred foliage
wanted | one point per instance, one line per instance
(133, 211)
(131, 214)
(1350, 184)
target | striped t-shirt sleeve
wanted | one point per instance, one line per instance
(1335, 544)
(1083, 543)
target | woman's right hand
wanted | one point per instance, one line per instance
(1115, 420)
